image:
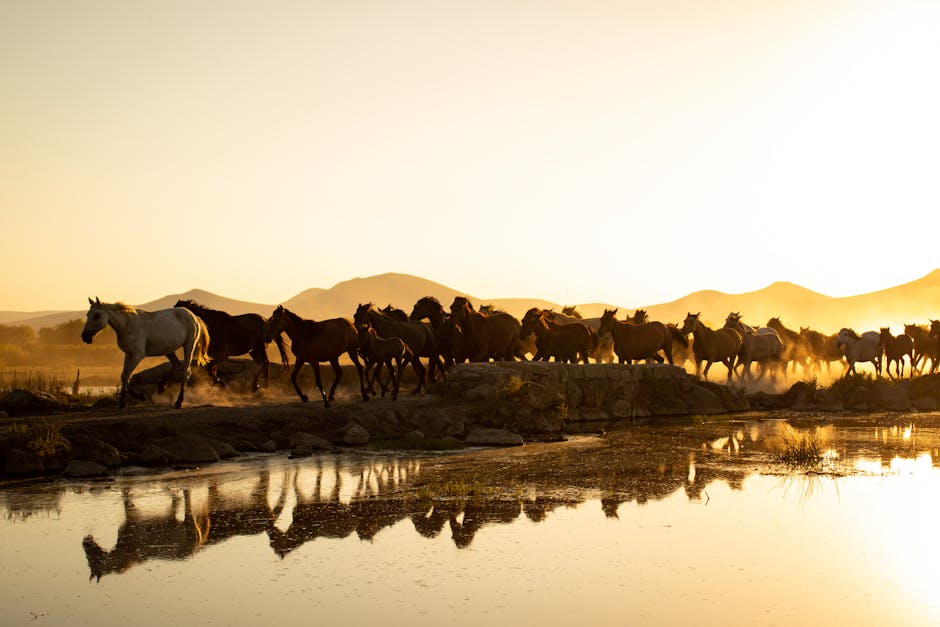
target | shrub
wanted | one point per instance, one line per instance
(41, 437)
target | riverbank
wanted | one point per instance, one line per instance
(495, 404)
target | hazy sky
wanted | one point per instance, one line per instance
(627, 152)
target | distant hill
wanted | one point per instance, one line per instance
(917, 301)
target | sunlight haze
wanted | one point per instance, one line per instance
(621, 152)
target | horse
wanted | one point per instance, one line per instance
(417, 335)
(636, 341)
(925, 346)
(795, 350)
(495, 335)
(236, 335)
(604, 347)
(819, 348)
(149, 334)
(864, 347)
(564, 341)
(394, 312)
(313, 342)
(762, 345)
(895, 347)
(721, 345)
(383, 351)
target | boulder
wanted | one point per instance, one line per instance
(98, 452)
(190, 450)
(153, 455)
(354, 434)
(303, 441)
(84, 468)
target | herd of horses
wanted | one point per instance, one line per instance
(390, 339)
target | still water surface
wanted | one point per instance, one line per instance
(666, 526)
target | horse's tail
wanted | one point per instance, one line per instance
(279, 340)
(201, 347)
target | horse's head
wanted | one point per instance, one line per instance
(460, 309)
(935, 328)
(844, 336)
(640, 316)
(427, 307)
(362, 316)
(690, 322)
(95, 320)
(274, 325)
(607, 321)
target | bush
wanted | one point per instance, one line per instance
(43, 438)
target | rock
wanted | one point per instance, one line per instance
(268, 446)
(3, 414)
(860, 398)
(540, 397)
(19, 402)
(354, 434)
(926, 403)
(484, 392)
(20, 462)
(190, 450)
(223, 449)
(482, 436)
(98, 452)
(153, 455)
(892, 398)
(85, 468)
(622, 409)
(302, 439)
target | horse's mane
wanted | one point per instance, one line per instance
(201, 308)
(122, 307)
(489, 308)
(852, 333)
(430, 299)
(461, 301)
(571, 310)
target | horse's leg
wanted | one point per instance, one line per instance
(130, 362)
(316, 375)
(708, 365)
(419, 370)
(175, 363)
(187, 370)
(260, 357)
(337, 375)
(293, 377)
(396, 384)
(354, 356)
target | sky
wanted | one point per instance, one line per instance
(628, 152)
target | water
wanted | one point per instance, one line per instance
(674, 525)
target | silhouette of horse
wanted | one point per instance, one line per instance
(448, 337)
(819, 348)
(394, 312)
(495, 335)
(895, 347)
(603, 351)
(762, 345)
(150, 334)
(925, 347)
(313, 342)
(383, 351)
(637, 341)
(236, 335)
(565, 342)
(710, 345)
(795, 349)
(419, 337)
(856, 348)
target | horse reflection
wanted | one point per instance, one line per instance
(162, 536)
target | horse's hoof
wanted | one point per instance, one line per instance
(303, 397)
(178, 404)
(326, 403)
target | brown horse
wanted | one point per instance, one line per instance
(637, 341)
(447, 334)
(383, 351)
(419, 336)
(711, 346)
(235, 335)
(495, 335)
(313, 342)
(895, 348)
(564, 341)
(925, 347)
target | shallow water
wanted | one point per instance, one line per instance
(686, 524)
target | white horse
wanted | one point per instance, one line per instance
(149, 334)
(864, 347)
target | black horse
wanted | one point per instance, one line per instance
(236, 335)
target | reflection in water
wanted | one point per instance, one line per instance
(298, 513)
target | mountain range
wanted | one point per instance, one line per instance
(917, 301)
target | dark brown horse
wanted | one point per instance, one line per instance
(895, 348)
(313, 342)
(447, 334)
(925, 347)
(419, 336)
(637, 341)
(383, 351)
(819, 348)
(795, 348)
(495, 335)
(566, 342)
(236, 335)
(711, 346)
